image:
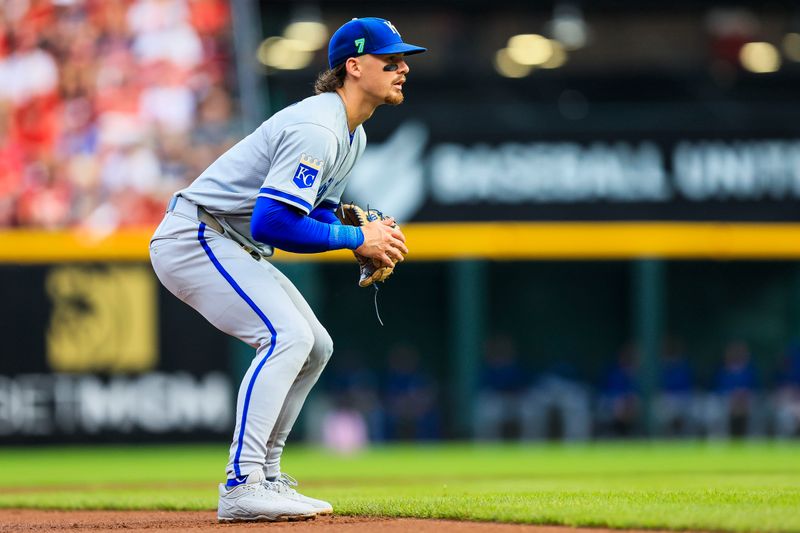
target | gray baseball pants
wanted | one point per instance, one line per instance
(254, 302)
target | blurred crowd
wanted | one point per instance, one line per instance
(109, 106)
(405, 401)
(356, 405)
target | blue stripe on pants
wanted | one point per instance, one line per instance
(201, 237)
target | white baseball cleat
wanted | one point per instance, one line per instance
(284, 486)
(254, 501)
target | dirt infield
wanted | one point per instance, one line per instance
(33, 520)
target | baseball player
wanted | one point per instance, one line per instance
(279, 188)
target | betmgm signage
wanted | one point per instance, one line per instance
(101, 368)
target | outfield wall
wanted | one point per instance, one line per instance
(493, 241)
(96, 349)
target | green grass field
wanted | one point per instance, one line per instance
(734, 487)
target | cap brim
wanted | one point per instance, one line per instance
(400, 48)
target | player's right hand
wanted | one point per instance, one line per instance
(383, 241)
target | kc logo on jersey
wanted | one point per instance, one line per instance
(307, 171)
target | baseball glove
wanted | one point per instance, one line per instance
(371, 270)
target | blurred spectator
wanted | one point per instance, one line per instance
(354, 386)
(209, 17)
(345, 412)
(161, 31)
(216, 129)
(411, 397)
(731, 408)
(167, 103)
(11, 167)
(45, 198)
(99, 103)
(344, 430)
(557, 406)
(618, 403)
(355, 416)
(677, 406)
(30, 80)
(787, 396)
(502, 382)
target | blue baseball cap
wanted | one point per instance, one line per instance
(368, 35)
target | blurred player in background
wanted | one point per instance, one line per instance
(279, 188)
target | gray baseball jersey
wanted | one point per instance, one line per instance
(300, 156)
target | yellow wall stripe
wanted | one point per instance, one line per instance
(496, 240)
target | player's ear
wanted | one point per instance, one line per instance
(353, 66)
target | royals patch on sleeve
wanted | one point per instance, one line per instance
(307, 171)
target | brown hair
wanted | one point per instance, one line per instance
(330, 80)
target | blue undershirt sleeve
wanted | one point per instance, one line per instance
(282, 226)
(326, 212)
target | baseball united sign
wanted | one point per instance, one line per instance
(668, 179)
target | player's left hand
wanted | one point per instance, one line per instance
(384, 244)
